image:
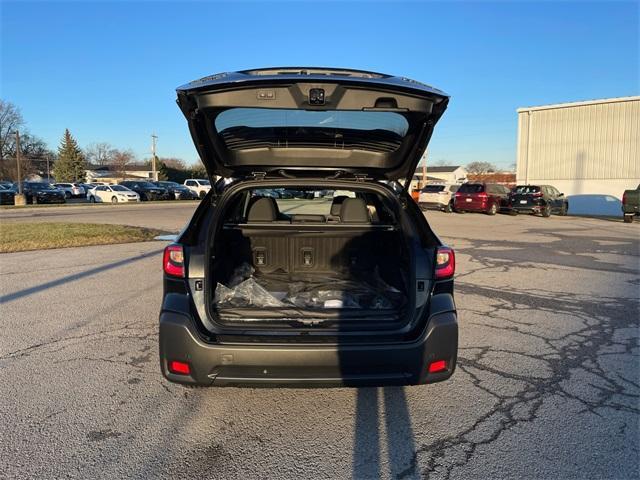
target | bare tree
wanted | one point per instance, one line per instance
(10, 121)
(172, 162)
(100, 153)
(480, 168)
(33, 150)
(120, 160)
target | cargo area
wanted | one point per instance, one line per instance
(346, 261)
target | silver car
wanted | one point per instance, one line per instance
(70, 189)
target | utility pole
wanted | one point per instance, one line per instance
(19, 198)
(424, 169)
(48, 171)
(18, 162)
(154, 137)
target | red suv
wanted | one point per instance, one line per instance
(481, 197)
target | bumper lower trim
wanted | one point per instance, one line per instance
(307, 364)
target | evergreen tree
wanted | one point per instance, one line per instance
(71, 164)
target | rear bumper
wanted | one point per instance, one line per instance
(307, 365)
(630, 210)
(50, 199)
(432, 205)
(471, 206)
(526, 208)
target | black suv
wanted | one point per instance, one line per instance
(176, 191)
(146, 190)
(41, 192)
(313, 288)
(540, 199)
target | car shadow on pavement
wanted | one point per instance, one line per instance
(367, 445)
(76, 276)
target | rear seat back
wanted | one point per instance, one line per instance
(354, 210)
(265, 210)
(336, 205)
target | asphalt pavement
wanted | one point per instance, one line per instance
(547, 384)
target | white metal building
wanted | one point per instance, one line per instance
(588, 150)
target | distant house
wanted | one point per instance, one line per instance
(445, 174)
(114, 174)
(418, 182)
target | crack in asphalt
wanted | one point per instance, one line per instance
(36, 348)
(574, 351)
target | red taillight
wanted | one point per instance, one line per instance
(445, 263)
(536, 194)
(482, 196)
(437, 366)
(173, 261)
(180, 368)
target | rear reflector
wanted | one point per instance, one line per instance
(173, 260)
(182, 368)
(437, 366)
(445, 263)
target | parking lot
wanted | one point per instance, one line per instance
(547, 384)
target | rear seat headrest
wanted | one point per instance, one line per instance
(264, 209)
(336, 205)
(354, 210)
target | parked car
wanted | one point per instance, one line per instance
(198, 185)
(438, 196)
(630, 204)
(256, 296)
(7, 194)
(489, 198)
(537, 199)
(71, 189)
(87, 187)
(146, 190)
(112, 193)
(40, 192)
(177, 191)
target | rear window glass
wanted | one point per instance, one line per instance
(310, 205)
(433, 189)
(526, 189)
(471, 188)
(263, 127)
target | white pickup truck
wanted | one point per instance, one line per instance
(198, 185)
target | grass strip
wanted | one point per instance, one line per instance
(21, 237)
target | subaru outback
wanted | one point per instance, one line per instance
(338, 280)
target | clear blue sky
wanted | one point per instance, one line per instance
(108, 70)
